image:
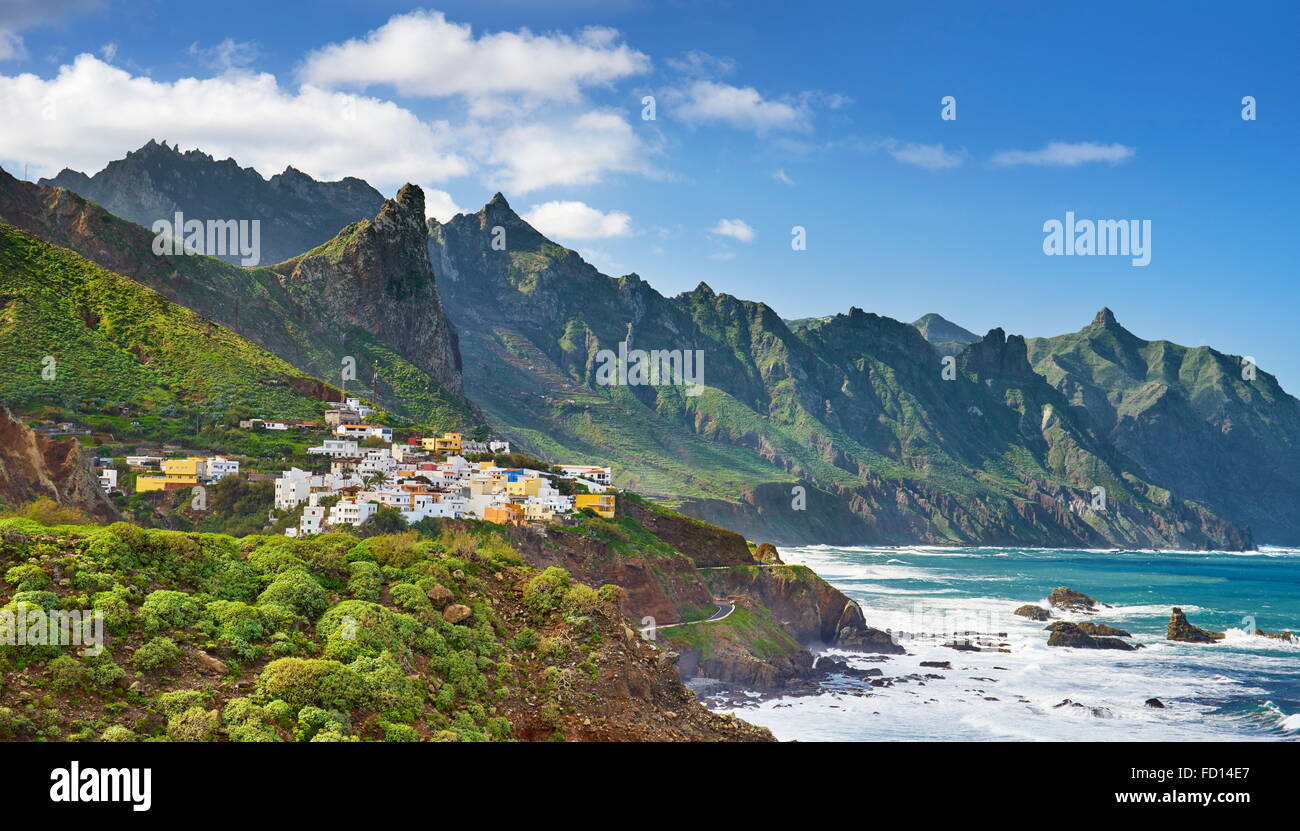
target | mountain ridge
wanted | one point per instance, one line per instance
(851, 414)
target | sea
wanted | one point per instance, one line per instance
(1244, 688)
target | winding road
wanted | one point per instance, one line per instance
(724, 608)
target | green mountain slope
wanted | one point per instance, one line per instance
(412, 369)
(854, 409)
(1190, 418)
(114, 342)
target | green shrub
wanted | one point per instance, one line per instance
(525, 640)
(113, 603)
(27, 577)
(399, 732)
(43, 599)
(313, 720)
(175, 703)
(118, 733)
(410, 597)
(398, 550)
(388, 689)
(355, 628)
(322, 683)
(543, 593)
(246, 721)
(101, 672)
(166, 609)
(65, 672)
(238, 627)
(156, 654)
(193, 725)
(365, 582)
(299, 591)
(580, 600)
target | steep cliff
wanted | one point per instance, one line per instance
(32, 466)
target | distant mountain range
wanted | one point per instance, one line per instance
(843, 429)
(296, 211)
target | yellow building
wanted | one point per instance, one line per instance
(601, 503)
(185, 471)
(153, 482)
(446, 443)
(524, 486)
(176, 473)
(538, 512)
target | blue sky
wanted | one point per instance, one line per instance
(768, 115)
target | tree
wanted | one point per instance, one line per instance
(385, 520)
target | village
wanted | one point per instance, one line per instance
(360, 470)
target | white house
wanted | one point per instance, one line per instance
(351, 512)
(108, 479)
(334, 448)
(219, 466)
(293, 487)
(361, 432)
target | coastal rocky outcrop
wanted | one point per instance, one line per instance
(1033, 612)
(1180, 629)
(1280, 636)
(1070, 600)
(1089, 628)
(1070, 634)
(33, 466)
(767, 553)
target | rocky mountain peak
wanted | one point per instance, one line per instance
(997, 354)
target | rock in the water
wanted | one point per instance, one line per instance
(1069, 634)
(1033, 612)
(1182, 630)
(766, 553)
(937, 664)
(455, 613)
(1089, 628)
(1280, 636)
(1156, 703)
(1062, 597)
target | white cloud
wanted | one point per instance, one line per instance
(228, 55)
(11, 46)
(1066, 154)
(577, 151)
(91, 112)
(108, 51)
(780, 176)
(734, 228)
(577, 220)
(424, 54)
(697, 64)
(740, 107)
(928, 156)
(439, 205)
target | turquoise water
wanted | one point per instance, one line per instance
(1244, 688)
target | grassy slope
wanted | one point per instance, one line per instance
(114, 340)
